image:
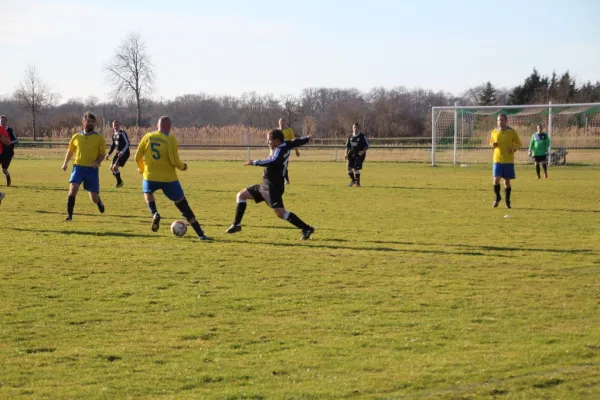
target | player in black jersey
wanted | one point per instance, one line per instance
(8, 150)
(356, 151)
(273, 184)
(120, 141)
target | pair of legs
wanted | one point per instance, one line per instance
(114, 168)
(354, 166)
(174, 193)
(507, 191)
(274, 201)
(73, 190)
(544, 165)
(6, 159)
(91, 182)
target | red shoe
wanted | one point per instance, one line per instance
(545, 175)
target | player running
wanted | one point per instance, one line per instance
(120, 141)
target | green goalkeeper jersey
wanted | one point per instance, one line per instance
(539, 144)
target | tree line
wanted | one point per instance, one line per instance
(34, 110)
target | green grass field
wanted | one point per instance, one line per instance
(412, 287)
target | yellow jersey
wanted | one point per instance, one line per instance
(157, 157)
(87, 148)
(508, 142)
(288, 134)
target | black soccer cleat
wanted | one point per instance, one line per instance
(496, 202)
(508, 204)
(118, 185)
(351, 184)
(8, 180)
(155, 222)
(69, 218)
(234, 228)
(101, 207)
(307, 232)
(204, 238)
(2, 196)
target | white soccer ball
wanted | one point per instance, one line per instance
(178, 228)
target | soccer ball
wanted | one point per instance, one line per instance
(178, 228)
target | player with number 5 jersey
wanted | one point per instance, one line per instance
(157, 158)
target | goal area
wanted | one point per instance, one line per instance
(460, 135)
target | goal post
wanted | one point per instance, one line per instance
(460, 134)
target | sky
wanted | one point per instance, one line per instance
(228, 47)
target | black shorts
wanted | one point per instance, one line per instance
(540, 158)
(6, 159)
(271, 195)
(120, 161)
(356, 162)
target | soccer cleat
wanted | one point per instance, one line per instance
(357, 185)
(351, 184)
(287, 182)
(118, 185)
(2, 196)
(497, 201)
(545, 175)
(155, 222)
(69, 218)
(204, 238)
(234, 228)
(8, 180)
(307, 232)
(508, 204)
(101, 207)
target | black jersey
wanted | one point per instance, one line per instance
(276, 164)
(355, 144)
(120, 141)
(10, 148)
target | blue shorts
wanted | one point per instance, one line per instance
(506, 171)
(88, 175)
(172, 190)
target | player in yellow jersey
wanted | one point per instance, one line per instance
(157, 158)
(505, 142)
(288, 134)
(89, 149)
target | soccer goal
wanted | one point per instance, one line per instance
(460, 135)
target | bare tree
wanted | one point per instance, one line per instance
(34, 96)
(291, 108)
(130, 73)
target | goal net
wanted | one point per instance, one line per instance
(460, 135)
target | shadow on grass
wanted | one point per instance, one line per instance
(487, 248)
(318, 245)
(560, 209)
(366, 186)
(87, 233)
(92, 215)
(61, 189)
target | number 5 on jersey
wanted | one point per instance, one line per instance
(154, 147)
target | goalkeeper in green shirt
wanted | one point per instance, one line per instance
(539, 146)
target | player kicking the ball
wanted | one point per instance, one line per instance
(273, 185)
(157, 157)
(89, 149)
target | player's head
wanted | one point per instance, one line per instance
(116, 125)
(539, 128)
(88, 121)
(356, 128)
(502, 121)
(274, 138)
(3, 120)
(281, 123)
(164, 124)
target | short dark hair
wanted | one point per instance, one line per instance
(276, 134)
(357, 124)
(89, 115)
(3, 117)
(503, 115)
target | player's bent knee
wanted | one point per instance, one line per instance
(185, 209)
(280, 212)
(242, 196)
